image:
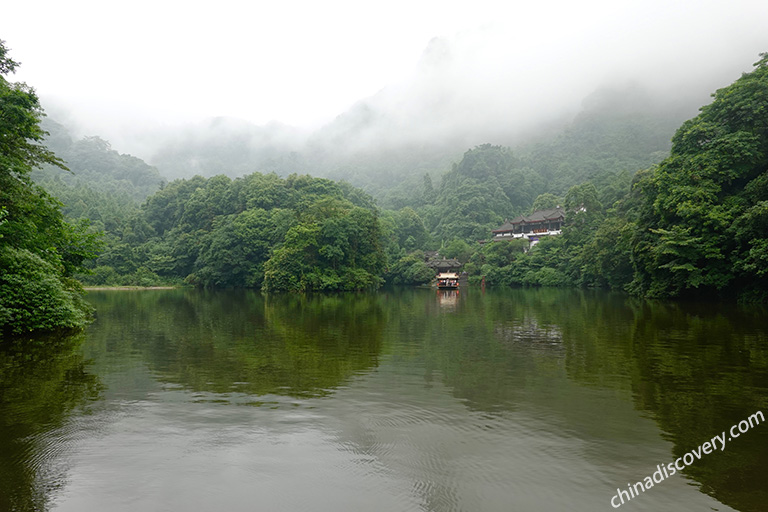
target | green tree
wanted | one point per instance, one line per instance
(40, 252)
(458, 249)
(429, 194)
(336, 246)
(235, 251)
(410, 230)
(701, 217)
(410, 270)
(545, 201)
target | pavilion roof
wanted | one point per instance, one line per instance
(444, 263)
(537, 216)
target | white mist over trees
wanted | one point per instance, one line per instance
(490, 73)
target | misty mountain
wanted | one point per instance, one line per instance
(618, 129)
(232, 147)
(371, 146)
(93, 163)
(102, 184)
(567, 127)
(568, 119)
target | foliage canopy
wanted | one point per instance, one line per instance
(39, 251)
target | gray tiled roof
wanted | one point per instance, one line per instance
(537, 216)
(540, 216)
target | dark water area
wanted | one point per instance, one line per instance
(399, 400)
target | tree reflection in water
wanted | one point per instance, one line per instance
(43, 380)
(552, 356)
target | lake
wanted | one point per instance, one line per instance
(398, 400)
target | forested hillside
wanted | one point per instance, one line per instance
(691, 224)
(617, 129)
(298, 233)
(625, 129)
(702, 218)
(99, 184)
(695, 223)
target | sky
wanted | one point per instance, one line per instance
(118, 66)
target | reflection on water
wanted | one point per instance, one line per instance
(42, 381)
(448, 299)
(402, 400)
(241, 342)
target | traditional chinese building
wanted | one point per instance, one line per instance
(540, 223)
(443, 264)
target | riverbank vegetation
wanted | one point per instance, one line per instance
(39, 251)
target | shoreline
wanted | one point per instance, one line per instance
(101, 288)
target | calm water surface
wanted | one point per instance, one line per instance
(401, 400)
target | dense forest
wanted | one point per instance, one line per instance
(641, 216)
